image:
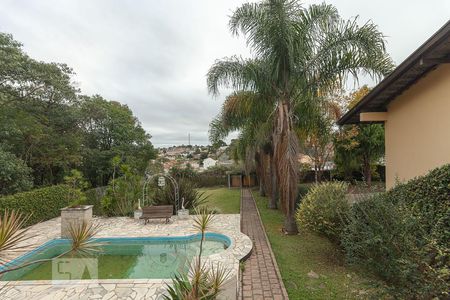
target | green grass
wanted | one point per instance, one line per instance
(227, 201)
(298, 255)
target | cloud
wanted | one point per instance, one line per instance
(154, 55)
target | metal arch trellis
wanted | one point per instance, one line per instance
(149, 177)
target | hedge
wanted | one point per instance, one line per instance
(40, 204)
(207, 180)
(403, 236)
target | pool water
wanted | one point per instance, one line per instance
(119, 258)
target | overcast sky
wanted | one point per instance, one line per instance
(153, 55)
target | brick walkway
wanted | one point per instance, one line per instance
(261, 278)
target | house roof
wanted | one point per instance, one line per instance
(435, 51)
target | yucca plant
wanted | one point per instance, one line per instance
(203, 282)
(11, 234)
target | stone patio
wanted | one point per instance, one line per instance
(40, 233)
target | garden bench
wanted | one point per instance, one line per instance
(157, 212)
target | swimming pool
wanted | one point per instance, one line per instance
(119, 258)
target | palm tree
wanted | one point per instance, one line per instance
(250, 113)
(305, 51)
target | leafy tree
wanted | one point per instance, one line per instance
(360, 145)
(305, 52)
(38, 122)
(15, 175)
(111, 132)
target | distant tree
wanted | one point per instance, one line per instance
(15, 175)
(361, 144)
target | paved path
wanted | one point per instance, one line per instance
(261, 278)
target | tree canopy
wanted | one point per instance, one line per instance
(46, 123)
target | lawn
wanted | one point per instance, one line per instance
(227, 201)
(309, 253)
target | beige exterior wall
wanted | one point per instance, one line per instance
(418, 128)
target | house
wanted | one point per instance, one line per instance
(413, 102)
(208, 163)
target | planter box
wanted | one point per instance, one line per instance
(137, 214)
(72, 216)
(183, 214)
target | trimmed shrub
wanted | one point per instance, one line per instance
(323, 209)
(402, 236)
(41, 204)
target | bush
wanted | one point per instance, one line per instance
(187, 190)
(402, 236)
(122, 194)
(323, 209)
(94, 197)
(15, 175)
(40, 204)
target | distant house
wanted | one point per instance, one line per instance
(208, 163)
(413, 102)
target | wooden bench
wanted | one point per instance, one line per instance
(157, 212)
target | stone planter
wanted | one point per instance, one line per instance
(74, 215)
(137, 214)
(183, 214)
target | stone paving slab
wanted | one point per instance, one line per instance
(261, 278)
(40, 233)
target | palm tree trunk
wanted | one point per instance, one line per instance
(259, 159)
(286, 157)
(273, 182)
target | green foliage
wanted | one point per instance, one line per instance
(358, 147)
(112, 135)
(214, 176)
(193, 198)
(94, 197)
(38, 121)
(299, 54)
(402, 236)
(186, 172)
(324, 208)
(15, 175)
(12, 232)
(204, 282)
(46, 122)
(122, 194)
(205, 180)
(40, 204)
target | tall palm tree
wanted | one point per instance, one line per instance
(306, 50)
(249, 113)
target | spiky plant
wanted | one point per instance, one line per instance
(203, 282)
(12, 233)
(81, 239)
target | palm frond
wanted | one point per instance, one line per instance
(203, 219)
(12, 232)
(81, 236)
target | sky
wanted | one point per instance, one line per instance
(153, 55)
